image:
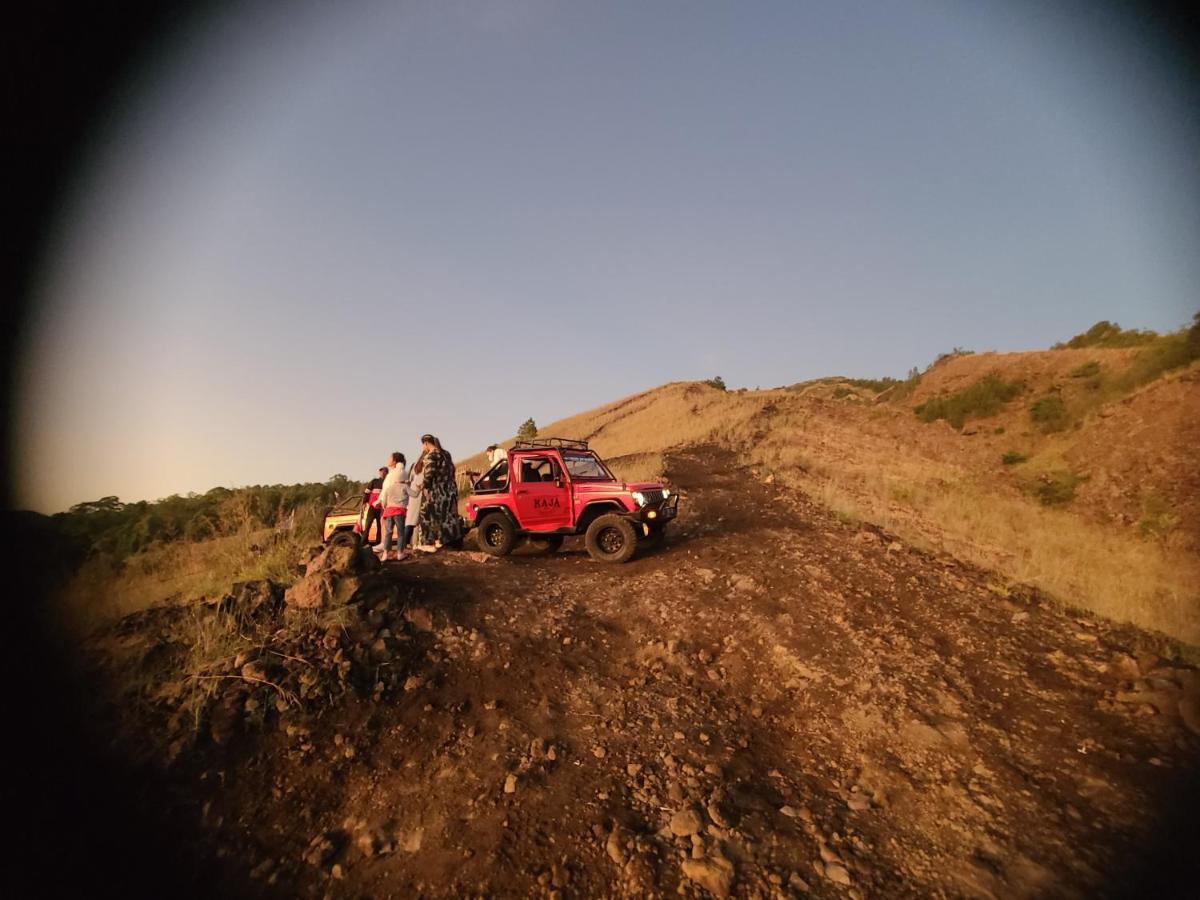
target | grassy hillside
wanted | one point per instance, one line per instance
(1095, 501)
(1071, 469)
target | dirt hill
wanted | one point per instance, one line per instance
(1099, 507)
(777, 703)
(860, 665)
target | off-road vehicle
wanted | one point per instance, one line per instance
(345, 521)
(548, 488)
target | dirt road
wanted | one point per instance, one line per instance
(775, 703)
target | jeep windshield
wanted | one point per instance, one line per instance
(586, 467)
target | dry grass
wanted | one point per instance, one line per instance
(102, 592)
(927, 501)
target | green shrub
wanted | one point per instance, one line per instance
(982, 399)
(1012, 457)
(1171, 351)
(1058, 488)
(1109, 335)
(1049, 413)
(949, 355)
(840, 391)
(716, 382)
(1087, 370)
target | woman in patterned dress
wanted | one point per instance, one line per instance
(440, 524)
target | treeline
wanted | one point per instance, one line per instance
(121, 529)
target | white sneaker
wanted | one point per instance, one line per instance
(426, 548)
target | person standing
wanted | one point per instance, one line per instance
(495, 454)
(440, 523)
(416, 480)
(392, 498)
(371, 501)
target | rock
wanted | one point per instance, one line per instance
(419, 618)
(413, 683)
(895, 546)
(718, 816)
(837, 873)
(743, 584)
(858, 802)
(336, 559)
(510, 784)
(687, 821)
(1189, 711)
(713, 873)
(310, 592)
(614, 848)
(261, 597)
(790, 811)
(866, 537)
(379, 651)
(345, 589)
(708, 576)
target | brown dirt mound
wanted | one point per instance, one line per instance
(774, 704)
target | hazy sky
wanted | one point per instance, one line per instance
(311, 232)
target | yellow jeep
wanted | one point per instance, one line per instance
(344, 522)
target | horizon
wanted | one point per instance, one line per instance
(561, 206)
(194, 492)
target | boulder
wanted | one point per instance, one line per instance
(687, 821)
(310, 592)
(262, 597)
(713, 873)
(337, 559)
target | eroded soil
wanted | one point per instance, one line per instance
(775, 703)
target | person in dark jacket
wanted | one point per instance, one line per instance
(371, 501)
(440, 523)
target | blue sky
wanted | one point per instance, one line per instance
(310, 232)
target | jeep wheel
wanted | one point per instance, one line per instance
(611, 538)
(496, 534)
(344, 539)
(546, 543)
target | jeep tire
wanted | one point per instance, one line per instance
(611, 538)
(496, 534)
(345, 539)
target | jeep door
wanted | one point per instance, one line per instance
(542, 494)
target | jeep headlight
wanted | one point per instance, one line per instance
(639, 498)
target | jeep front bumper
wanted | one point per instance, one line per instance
(660, 513)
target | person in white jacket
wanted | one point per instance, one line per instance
(416, 480)
(392, 499)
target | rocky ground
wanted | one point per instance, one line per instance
(773, 704)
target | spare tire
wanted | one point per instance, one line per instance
(496, 534)
(611, 538)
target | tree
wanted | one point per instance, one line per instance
(528, 430)
(717, 382)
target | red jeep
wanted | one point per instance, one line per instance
(548, 488)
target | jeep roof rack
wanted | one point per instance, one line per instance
(550, 442)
